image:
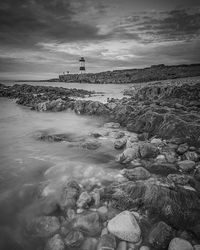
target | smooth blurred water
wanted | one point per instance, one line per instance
(28, 164)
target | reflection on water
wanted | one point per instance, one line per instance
(28, 165)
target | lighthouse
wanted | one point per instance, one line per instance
(82, 65)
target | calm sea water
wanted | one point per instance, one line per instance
(27, 163)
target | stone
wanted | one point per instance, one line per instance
(128, 155)
(160, 158)
(196, 247)
(88, 223)
(44, 226)
(74, 239)
(180, 244)
(120, 143)
(107, 242)
(144, 248)
(91, 144)
(138, 173)
(84, 200)
(191, 155)
(179, 179)
(112, 125)
(122, 245)
(197, 173)
(55, 243)
(160, 235)
(103, 213)
(89, 244)
(182, 148)
(186, 165)
(148, 150)
(163, 168)
(119, 134)
(69, 195)
(170, 155)
(70, 214)
(125, 227)
(156, 141)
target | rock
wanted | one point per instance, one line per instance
(197, 173)
(74, 239)
(69, 195)
(148, 150)
(144, 248)
(156, 141)
(55, 243)
(138, 173)
(120, 143)
(128, 155)
(182, 148)
(186, 166)
(112, 125)
(44, 226)
(70, 214)
(191, 155)
(180, 244)
(104, 231)
(179, 179)
(122, 245)
(196, 247)
(91, 144)
(119, 134)
(107, 241)
(170, 155)
(162, 168)
(88, 223)
(89, 244)
(125, 227)
(84, 200)
(160, 158)
(103, 213)
(160, 235)
(55, 105)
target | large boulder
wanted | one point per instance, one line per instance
(125, 227)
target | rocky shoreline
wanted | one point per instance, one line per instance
(154, 200)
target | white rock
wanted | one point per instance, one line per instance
(125, 227)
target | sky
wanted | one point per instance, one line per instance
(40, 39)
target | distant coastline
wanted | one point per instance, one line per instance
(135, 75)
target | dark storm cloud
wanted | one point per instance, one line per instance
(26, 22)
(161, 26)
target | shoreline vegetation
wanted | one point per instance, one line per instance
(154, 201)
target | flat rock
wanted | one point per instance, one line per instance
(180, 244)
(186, 166)
(125, 227)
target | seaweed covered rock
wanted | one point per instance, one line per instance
(176, 205)
(160, 235)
